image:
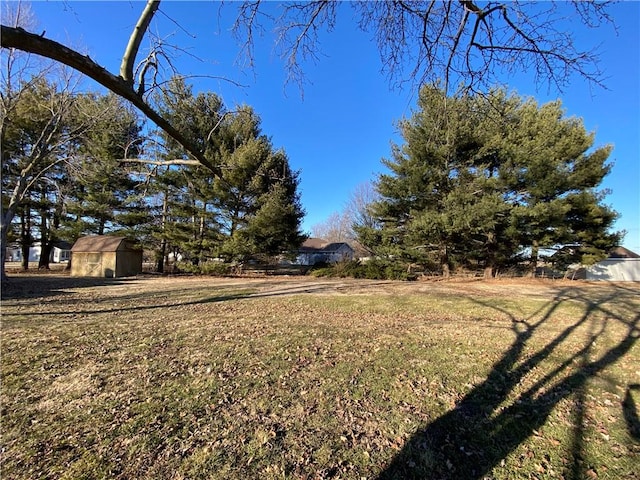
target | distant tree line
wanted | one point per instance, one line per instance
(453, 41)
(490, 181)
(76, 164)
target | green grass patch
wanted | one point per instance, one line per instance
(203, 379)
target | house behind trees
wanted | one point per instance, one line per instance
(316, 250)
(622, 265)
(60, 252)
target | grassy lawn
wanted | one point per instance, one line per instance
(218, 379)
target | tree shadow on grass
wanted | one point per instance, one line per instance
(42, 286)
(52, 290)
(469, 441)
(630, 410)
(136, 307)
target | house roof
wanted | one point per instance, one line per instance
(62, 245)
(621, 252)
(100, 243)
(312, 243)
(315, 245)
(335, 246)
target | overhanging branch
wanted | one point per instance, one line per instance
(20, 39)
(131, 52)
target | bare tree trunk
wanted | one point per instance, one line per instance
(201, 235)
(446, 272)
(4, 230)
(533, 265)
(5, 222)
(25, 237)
(490, 260)
(163, 244)
(7, 217)
(24, 249)
(45, 255)
(45, 239)
(444, 262)
(161, 256)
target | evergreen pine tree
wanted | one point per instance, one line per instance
(482, 178)
(103, 195)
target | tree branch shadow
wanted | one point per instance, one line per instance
(55, 292)
(630, 411)
(486, 426)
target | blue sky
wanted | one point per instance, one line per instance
(337, 132)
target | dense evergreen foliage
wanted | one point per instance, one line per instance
(253, 209)
(80, 165)
(489, 181)
(103, 194)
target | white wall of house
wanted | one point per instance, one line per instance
(344, 253)
(15, 254)
(57, 255)
(615, 270)
(310, 258)
(34, 253)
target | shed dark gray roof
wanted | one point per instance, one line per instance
(101, 243)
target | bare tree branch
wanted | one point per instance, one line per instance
(244, 26)
(454, 48)
(161, 163)
(139, 31)
(20, 39)
(456, 41)
(297, 33)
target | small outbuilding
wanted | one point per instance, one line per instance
(106, 257)
(622, 265)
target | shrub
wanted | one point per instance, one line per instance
(376, 269)
(216, 268)
(322, 272)
(187, 267)
(205, 268)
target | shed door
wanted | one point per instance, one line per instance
(94, 264)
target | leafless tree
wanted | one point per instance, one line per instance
(461, 43)
(358, 206)
(29, 96)
(336, 228)
(340, 226)
(460, 40)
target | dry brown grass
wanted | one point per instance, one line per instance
(305, 378)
